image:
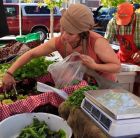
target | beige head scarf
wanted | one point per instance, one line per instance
(77, 19)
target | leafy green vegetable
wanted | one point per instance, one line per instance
(77, 96)
(39, 129)
(36, 67)
(1, 97)
(21, 96)
(7, 101)
(4, 67)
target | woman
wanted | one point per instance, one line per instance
(76, 23)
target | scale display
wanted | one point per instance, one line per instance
(109, 110)
(96, 114)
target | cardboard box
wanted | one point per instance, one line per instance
(126, 79)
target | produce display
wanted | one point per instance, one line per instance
(77, 96)
(11, 97)
(25, 77)
(36, 67)
(39, 129)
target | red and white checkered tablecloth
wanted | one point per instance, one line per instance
(32, 102)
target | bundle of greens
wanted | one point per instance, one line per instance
(39, 129)
(4, 67)
(35, 68)
(77, 96)
(11, 97)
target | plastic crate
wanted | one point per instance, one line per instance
(28, 38)
(126, 79)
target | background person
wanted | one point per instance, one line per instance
(76, 24)
(125, 29)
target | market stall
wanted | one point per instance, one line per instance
(25, 97)
(33, 99)
(28, 75)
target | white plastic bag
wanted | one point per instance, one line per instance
(66, 71)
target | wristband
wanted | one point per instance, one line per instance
(9, 73)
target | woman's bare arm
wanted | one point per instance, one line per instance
(42, 50)
(106, 54)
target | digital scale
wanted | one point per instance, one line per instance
(115, 111)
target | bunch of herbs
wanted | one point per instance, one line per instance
(78, 95)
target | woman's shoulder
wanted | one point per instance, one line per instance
(94, 35)
(57, 39)
(59, 44)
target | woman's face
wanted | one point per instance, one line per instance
(68, 37)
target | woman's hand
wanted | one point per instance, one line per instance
(8, 81)
(136, 57)
(88, 61)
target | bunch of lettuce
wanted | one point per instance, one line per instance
(35, 68)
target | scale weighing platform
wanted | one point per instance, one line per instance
(115, 111)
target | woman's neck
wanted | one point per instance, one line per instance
(76, 44)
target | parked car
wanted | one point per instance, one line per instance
(33, 18)
(102, 16)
